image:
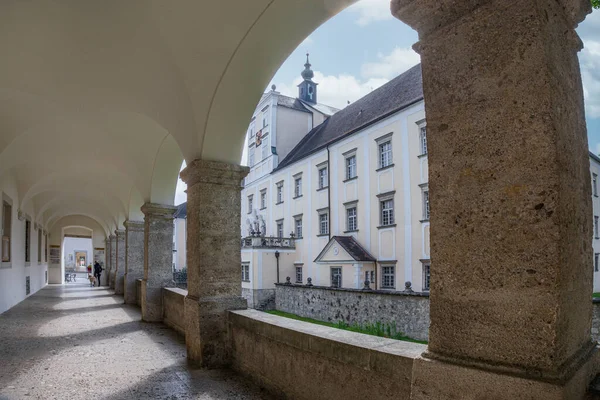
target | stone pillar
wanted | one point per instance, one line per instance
(510, 195)
(106, 272)
(134, 259)
(120, 266)
(213, 258)
(113, 260)
(158, 258)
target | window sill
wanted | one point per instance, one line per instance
(422, 155)
(597, 238)
(384, 168)
(350, 179)
(354, 230)
(249, 212)
(281, 202)
(424, 220)
(386, 226)
(27, 263)
(296, 197)
(245, 281)
(6, 265)
(322, 234)
(299, 238)
(595, 195)
(388, 288)
(323, 188)
(264, 208)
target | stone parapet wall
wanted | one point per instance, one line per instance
(174, 308)
(596, 320)
(409, 311)
(260, 299)
(308, 361)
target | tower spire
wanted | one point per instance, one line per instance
(308, 73)
(307, 89)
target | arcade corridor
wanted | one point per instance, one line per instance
(78, 342)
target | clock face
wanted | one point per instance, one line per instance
(336, 251)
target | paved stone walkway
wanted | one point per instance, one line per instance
(78, 342)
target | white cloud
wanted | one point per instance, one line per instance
(180, 194)
(391, 65)
(371, 11)
(337, 90)
(589, 59)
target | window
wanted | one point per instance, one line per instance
(250, 203)
(252, 130)
(336, 277)
(298, 187)
(423, 140)
(370, 276)
(263, 199)
(596, 257)
(279, 192)
(298, 226)
(280, 228)
(39, 247)
(251, 157)
(426, 276)
(246, 272)
(265, 118)
(298, 274)
(426, 204)
(385, 154)
(596, 227)
(27, 241)
(323, 178)
(324, 224)
(387, 212)
(388, 276)
(595, 184)
(6, 231)
(45, 248)
(351, 223)
(351, 167)
(265, 148)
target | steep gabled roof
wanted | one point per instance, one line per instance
(401, 92)
(290, 102)
(181, 210)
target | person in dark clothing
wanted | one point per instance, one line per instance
(97, 271)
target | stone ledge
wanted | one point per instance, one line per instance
(361, 291)
(174, 308)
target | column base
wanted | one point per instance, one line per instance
(206, 336)
(152, 310)
(436, 379)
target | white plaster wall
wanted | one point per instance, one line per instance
(595, 169)
(12, 275)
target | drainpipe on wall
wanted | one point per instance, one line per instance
(329, 192)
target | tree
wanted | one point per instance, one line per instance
(596, 4)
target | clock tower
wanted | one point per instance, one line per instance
(307, 90)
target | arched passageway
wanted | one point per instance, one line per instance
(100, 103)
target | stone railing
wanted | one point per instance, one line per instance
(267, 242)
(174, 308)
(302, 360)
(409, 312)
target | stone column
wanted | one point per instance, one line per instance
(213, 258)
(134, 259)
(106, 272)
(120, 266)
(158, 258)
(510, 194)
(113, 261)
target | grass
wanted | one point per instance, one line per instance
(596, 295)
(377, 329)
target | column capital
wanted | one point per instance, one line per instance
(133, 225)
(213, 172)
(158, 210)
(112, 237)
(119, 232)
(426, 16)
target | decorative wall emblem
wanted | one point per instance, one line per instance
(258, 138)
(336, 251)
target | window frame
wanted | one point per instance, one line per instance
(263, 199)
(351, 169)
(596, 261)
(297, 186)
(279, 192)
(426, 204)
(339, 280)
(423, 139)
(391, 214)
(245, 272)
(7, 224)
(426, 276)
(39, 245)
(349, 208)
(27, 241)
(298, 219)
(388, 279)
(264, 146)
(321, 221)
(250, 203)
(596, 227)
(299, 275)
(279, 227)
(322, 178)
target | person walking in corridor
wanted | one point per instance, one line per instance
(97, 271)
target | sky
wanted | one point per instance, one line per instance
(364, 47)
